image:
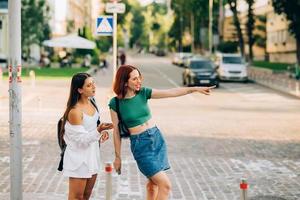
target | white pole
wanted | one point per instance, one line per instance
(114, 44)
(244, 188)
(297, 88)
(32, 78)
(15, 110)
(210, 23)
(108, 183)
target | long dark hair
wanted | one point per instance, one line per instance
(76, 83)
(122, 76)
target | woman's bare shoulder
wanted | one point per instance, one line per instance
(75, 116)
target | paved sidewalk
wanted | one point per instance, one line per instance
(207, 162)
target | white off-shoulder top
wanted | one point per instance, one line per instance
(82, 154)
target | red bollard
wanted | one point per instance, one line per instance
(108, 184)
(244, 187)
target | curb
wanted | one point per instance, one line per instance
(268, 79)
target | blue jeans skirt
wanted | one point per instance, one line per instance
(150, 151)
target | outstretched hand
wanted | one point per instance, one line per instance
(206, 90)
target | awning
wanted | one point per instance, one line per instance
(70, 41)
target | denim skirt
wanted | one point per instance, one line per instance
(150, 151)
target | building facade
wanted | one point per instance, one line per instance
(280, 44)
(68, 16)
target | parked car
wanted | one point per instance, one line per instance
(231, 67)
(160, 52)
(200, 71)
(179, 57)
(186, 58)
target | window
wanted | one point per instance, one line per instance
(233, 60)
(201, 65)
(3, 4)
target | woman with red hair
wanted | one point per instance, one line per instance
(146, 141)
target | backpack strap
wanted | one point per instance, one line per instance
(118, 108)
(93, 101)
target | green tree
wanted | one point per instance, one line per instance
(291, 10)
(137, 28)
(34, 23)
(250, 27)
(191, 15)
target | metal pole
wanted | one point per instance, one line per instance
(244, 187)
(114, 44)
(15, 110)
(108, 184)
(210, 33)
(297, 88)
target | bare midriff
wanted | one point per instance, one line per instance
(141, 128)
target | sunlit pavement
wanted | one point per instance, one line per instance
(241, 130)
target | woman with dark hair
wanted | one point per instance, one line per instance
(146, 141)
(82, 135)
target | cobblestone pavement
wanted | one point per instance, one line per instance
(212, 141)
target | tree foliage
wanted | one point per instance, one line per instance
(183, 12)
(34, 23)
(291, 9)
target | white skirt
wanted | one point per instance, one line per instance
(80, 172)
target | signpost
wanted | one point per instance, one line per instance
(15, 110)
(104, 26)
(115, 8)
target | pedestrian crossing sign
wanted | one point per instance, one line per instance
(104, 26)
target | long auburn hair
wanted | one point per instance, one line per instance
(122, 76)
(74, 96)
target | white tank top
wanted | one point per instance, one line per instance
(90, 122)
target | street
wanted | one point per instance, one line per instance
(239, 131)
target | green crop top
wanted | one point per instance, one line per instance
(134, 111)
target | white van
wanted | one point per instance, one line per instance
(231, 67)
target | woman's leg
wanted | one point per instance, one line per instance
(152, 190)
(76, 188)
(89, 187)
(164, 185)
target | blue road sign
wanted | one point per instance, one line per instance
(104, 26)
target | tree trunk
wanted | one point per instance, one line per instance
(233, 8)
(221, 20)
(181, 33)
(193, 32)
(250, 28)
(298, 50)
